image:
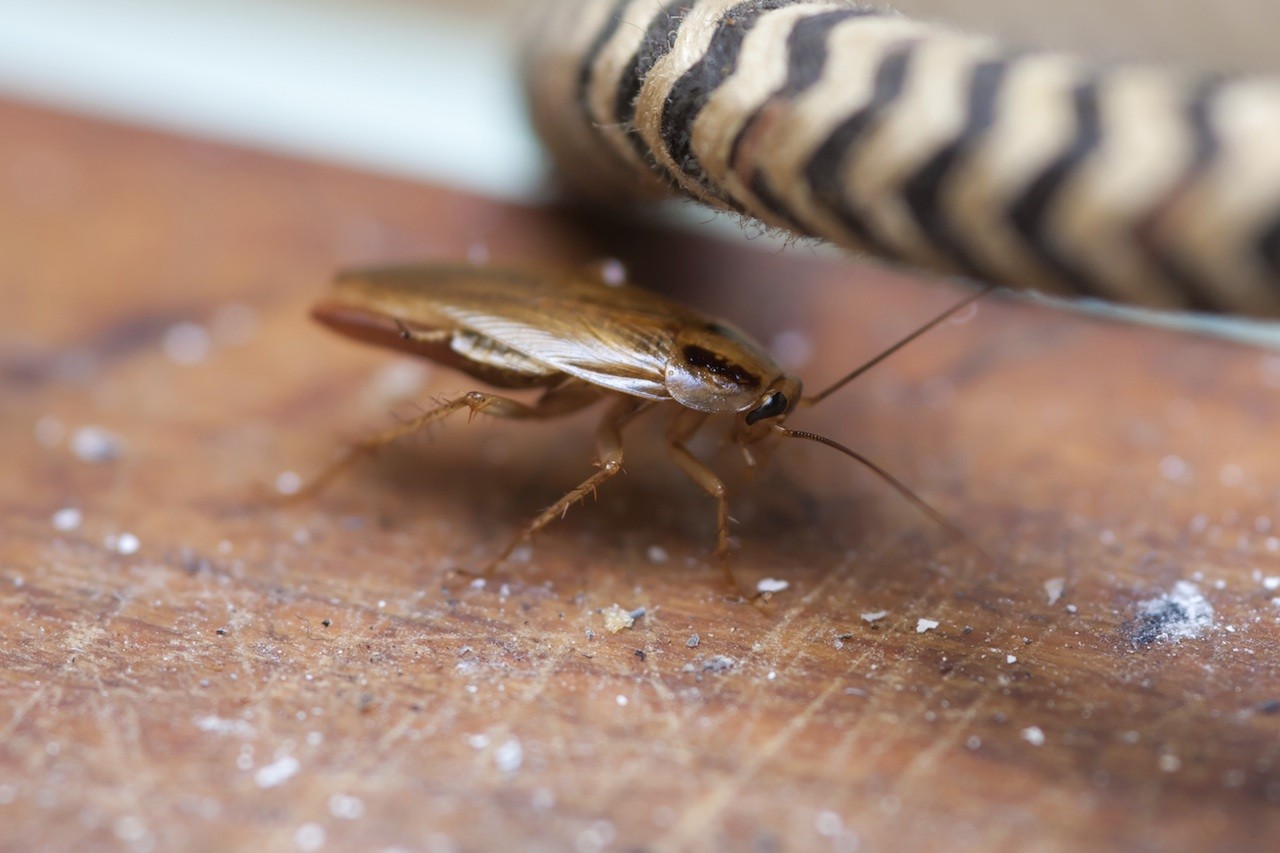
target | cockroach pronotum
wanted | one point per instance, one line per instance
(582, 340)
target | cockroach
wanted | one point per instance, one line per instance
(582, 339)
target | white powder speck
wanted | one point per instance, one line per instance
(1053, 589)
(828, 824)
(923, 625)
(613, 272)
(509, 756)
(657, 555)
(771, 585)
(309, 837)
(224, 726)
(1011, 658)
(95, 444)
(479, 583)
(277, 772)
(1177, 615)
(346, 807)
(288, 482)
(1169, 763)
(877, 615)
(973, 742)
(1033, 735)
(621, 700)
(67, 519)
(125, 543)
(1271, 583)
(478, 741)
(1173, 467)
(186, 343)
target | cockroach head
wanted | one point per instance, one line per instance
(771, 408)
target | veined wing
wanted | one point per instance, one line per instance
(615, 337)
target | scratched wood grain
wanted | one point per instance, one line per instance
(233, 673)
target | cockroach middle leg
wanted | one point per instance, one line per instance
(608, 462)
(683, 425)
(559, 400)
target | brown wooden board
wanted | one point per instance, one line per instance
(317, 675)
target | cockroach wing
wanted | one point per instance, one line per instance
(620, 338)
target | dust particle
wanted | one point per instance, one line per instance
(1053, 589)
(67, 519)
(309, 837)
(277, 772)
(509, 756)
(1180, 614)
(186, 343)
(95, 444)
(719, 664)
(346, 807)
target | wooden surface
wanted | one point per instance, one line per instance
(318, 676)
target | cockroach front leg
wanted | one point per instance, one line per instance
(608, 461)
(556, 401)
(685, 423)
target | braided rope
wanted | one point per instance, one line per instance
(921, 145)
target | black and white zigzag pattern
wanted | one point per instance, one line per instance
(926, 146)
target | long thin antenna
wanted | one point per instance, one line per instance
(968, 300)
(901, 487)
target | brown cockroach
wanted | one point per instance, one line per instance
(582, 339)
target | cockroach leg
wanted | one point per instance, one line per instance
(608, 461)
(559, 400)
(683, 425)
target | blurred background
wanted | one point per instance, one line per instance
(428, 89)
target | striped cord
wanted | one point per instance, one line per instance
(921, 145)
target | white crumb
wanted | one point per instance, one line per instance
(1053, 589)
(771, 585)
(277, 772)
(877, 615)
(923, 625)
(186, 343)
(288, 482)
(67, 519)
(509, 756)
(617, 619)
(95, 444)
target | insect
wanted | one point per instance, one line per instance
(582, 341)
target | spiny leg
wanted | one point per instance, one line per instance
(608, 461)
(685, 423)
(559, 400)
